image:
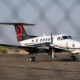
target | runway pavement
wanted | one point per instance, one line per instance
(18, 67)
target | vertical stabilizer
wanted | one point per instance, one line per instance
(20, 31)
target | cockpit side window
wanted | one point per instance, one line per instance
(66, 37)
(59, 38)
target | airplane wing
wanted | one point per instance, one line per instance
(47, 45)
(26, 48)
(30, 49)
(37, 48)
(59, 48)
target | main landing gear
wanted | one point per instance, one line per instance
(32, 58)
(52, 53)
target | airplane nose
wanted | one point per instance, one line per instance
(78, 44)
(75, 44)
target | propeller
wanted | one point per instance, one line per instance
(51, 49)
(51, 39)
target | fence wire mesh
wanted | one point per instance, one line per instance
(50, 16)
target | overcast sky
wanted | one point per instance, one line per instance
(50, 16)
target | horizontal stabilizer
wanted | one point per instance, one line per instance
(8, 23)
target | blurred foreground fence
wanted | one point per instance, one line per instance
(56, 16)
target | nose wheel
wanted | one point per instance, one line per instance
(73, 58)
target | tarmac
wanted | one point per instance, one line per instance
(18, 67)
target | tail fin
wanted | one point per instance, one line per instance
(20, 31)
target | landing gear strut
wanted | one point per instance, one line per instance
(52, 53)
(73, 58)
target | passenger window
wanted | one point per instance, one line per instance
(36, 40)
(73, 45)
(46, 39)
(40, 40)
(43, 39)
(32, 40)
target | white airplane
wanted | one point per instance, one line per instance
(49, 44)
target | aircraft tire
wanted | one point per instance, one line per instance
(73, 58)
(32, 59)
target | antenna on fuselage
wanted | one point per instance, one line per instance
(51, 39)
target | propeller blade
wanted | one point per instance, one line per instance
(51, 39)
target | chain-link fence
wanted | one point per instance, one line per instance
(50, 16)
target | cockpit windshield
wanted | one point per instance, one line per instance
(66, 37)
(70, 37)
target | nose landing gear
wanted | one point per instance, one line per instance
(73, 57)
